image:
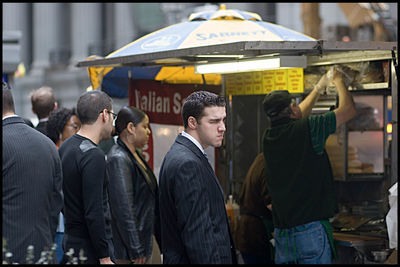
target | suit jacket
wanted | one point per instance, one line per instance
(42, 127)
(32, 189)
(194, 223)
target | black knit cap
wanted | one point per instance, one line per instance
(276, 101)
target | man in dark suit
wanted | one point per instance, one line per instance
(194, 222)
(32, 182)
(43, 102)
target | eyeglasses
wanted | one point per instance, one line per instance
(112, 113)
(73, 125)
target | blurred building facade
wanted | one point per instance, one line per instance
(53, 37)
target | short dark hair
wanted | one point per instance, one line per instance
(8, 101)
(91, 104)
(43, 101)
(57, 120)
(126, 115)
(196, 102)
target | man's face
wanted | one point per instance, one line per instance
(211, 127)
(109, 125)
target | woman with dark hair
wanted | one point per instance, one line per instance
(62, 124)
(133, 191)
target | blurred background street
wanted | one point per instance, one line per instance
(42, 42)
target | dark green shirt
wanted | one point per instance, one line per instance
(321, 126)
(298, 172)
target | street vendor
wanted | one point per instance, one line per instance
(298, 173)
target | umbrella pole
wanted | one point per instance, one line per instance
(229, 136)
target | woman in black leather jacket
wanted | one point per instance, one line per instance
(133, 189)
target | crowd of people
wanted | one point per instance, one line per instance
(60, 187)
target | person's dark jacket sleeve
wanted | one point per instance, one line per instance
(58, 196)
(157, 223)
(121, 203)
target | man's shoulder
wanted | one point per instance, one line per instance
(42, 127)
(86, 145)
(80, 145)
(117, 152)
(177, 156)
(18, 128)
(14, 122)
(181, 150)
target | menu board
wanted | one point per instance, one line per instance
(264, 82)
(295, 80)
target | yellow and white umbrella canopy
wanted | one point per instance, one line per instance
(201, 29)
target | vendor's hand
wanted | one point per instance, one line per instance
(269, 206)
(322, 83)
(337, 76)
(141, 260)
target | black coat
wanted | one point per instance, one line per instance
(251, 235)
(42, 127)
(194, 223)
(133, 204)
(32, 189)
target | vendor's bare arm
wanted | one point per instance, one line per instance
(346, 109)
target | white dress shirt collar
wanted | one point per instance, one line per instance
(191, 138)
(9, 116)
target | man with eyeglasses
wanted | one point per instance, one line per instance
(106, 144)
(86, 209)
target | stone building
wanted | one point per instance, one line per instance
(53, 37)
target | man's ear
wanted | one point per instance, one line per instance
(55, 106)
(192, 123)
(295, 113)
(103, 118)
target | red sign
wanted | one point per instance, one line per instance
(162, 103)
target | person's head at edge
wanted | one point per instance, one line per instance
(43, 102)
(8, 101)
(132, 124)
(203, 116)
(94, 109)
(8, 104)
(280, 105)
(63, 123)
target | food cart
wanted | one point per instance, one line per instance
(363, 153)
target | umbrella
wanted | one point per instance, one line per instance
(201, 29)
